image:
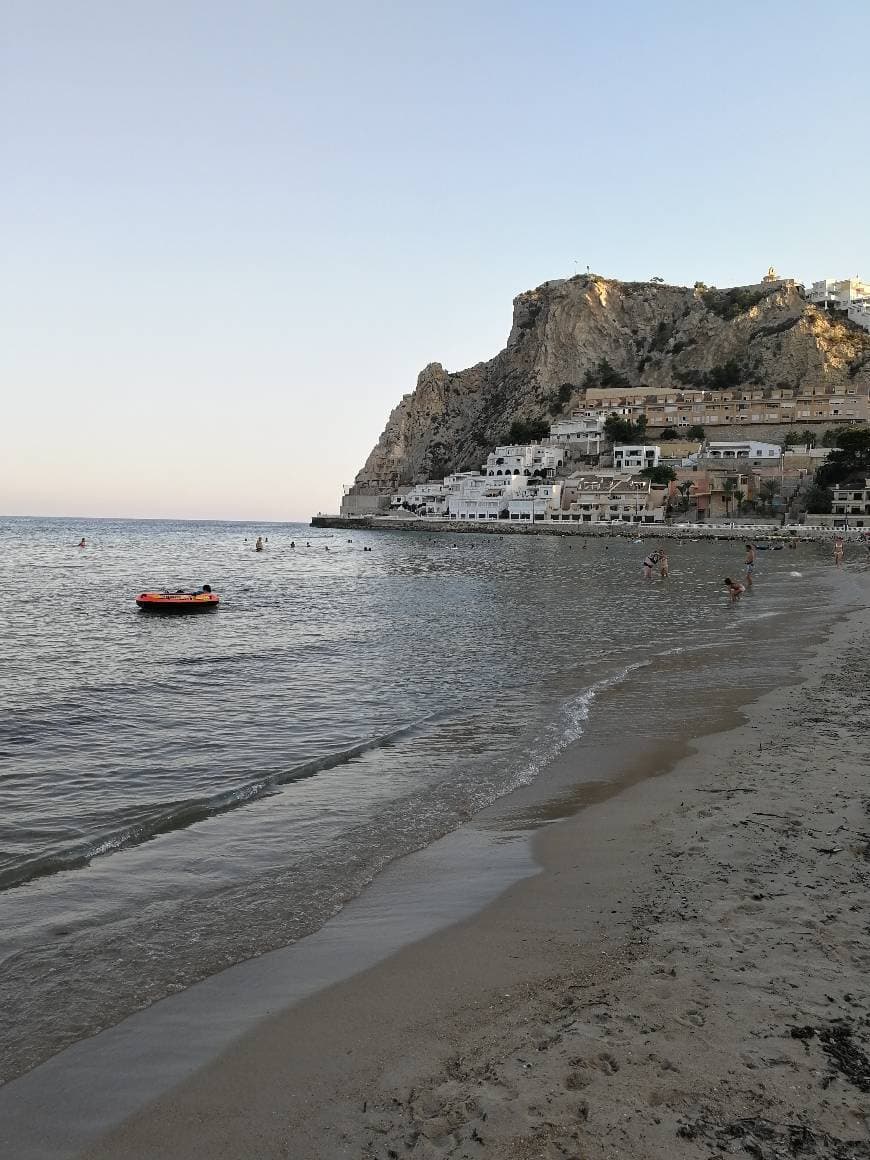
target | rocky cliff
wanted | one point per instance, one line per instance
(588, 331)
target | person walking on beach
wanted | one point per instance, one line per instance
(663, 565)
(750, 563)
(839, 550)
(735, 589)
(649, 563)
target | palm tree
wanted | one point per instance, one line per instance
(684, 489)
(728, 494)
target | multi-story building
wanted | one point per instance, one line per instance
(582, 430)
(606, 497)
(425, 499)
(525, 460)
(740, 449)
(850, 508)
(635, 457)
(840, 293)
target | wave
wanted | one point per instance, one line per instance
(169, 816)
(569, 726)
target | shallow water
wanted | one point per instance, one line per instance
(177, 794)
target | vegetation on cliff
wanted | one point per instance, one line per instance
(586, 331)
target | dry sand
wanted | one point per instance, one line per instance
(688, 977)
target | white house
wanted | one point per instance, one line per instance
(740, 449)
(850, 508)
(524, 460)
(585, 428)
(839, 293)
(859, 313)
(473, 497)
(426, 499)
(534, 501)
(635, 457)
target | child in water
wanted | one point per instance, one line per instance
(735, 589)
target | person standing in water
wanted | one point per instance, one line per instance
(258, 547)
(839, 550)
(82, 542)
(664, 570)
(649, 563)
(750, 564)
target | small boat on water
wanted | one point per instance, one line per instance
(200, 600)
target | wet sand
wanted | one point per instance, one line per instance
(687, 977)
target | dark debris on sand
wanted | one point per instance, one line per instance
(766, 1140)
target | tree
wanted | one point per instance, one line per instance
(684, 489)
(697, 432)
(528, 430)
(619, 430)
(660, 474)
(791, 439)
(739, 497)
(849, 459)
(669, 433)
(768, 490)
(728, 495)
(818, 500)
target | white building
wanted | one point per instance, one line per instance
(740, 449)
(839, 293)
(852, 503)
(859, 313)
(850, 508)
(524, 460)
(473, 497)
(583, 428)
(635, 457)
(425, 499)
(534, 501)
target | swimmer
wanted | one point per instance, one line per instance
(735, 589)
(258, 547)
(292, 543)
(83, 542)
(749, 564)
(649, 563)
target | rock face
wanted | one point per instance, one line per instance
(649, 333)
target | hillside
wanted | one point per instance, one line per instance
(649, 334)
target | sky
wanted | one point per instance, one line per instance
(233, 234)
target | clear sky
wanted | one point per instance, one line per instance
(233, 233)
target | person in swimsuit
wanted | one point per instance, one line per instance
(649, 563)
(735, 589)
(750, 564)
(82, 542)
(663, 565)
(258, 547)
(839, 549)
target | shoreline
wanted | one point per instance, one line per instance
(408, 1049)
(706, 531)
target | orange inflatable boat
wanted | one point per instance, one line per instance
(202, 600)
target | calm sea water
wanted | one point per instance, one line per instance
(177, 794)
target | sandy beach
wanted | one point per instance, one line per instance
(686, 977)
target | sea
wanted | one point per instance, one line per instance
(178, 794)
